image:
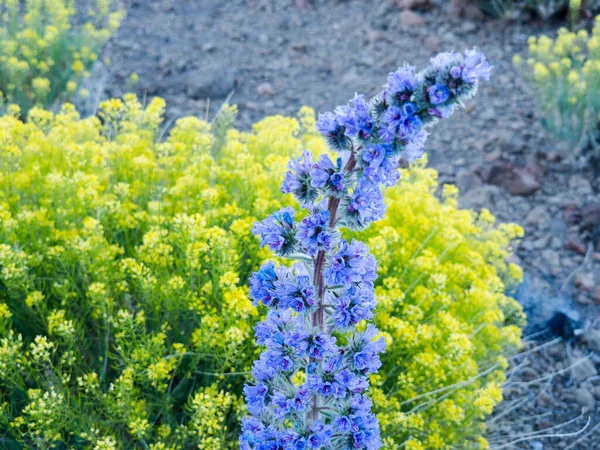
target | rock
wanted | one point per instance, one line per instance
(576, 246)
(265, 89)
(413, 4)
(571, 213)
(211, 84)
(468, 27)
(580, 184)
(516, 179)
(584, 370)
(590, 215)
(467, 180)
(584, 398)
(473, 12)
(591, 338)
(584, 281)
(543, 400)
(410, 19)
(537, 216)
(432, 43)
(596, 294)
(528, 374)
(536, 445)
(479, 197)
(583, 299)
(596, 392)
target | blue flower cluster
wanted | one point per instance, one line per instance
(311, 381)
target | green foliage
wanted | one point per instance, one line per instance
(124, 259)
(565, 75)
(44, 55)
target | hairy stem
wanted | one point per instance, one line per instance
(318, 318)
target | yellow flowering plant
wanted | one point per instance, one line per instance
(45, 53)
(565, 75)
(125, 321)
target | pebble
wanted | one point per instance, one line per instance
(410, 19)
(584, 370)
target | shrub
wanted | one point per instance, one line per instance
(443, 274)
(44, 54)
(544, 9)
(124, 258)
(565, 75)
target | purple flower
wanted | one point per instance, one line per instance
(456, 72)
(356, 119)
(321, 345)
(352, 307)
(401, 83)
(255, 397)
(327, 176)
(438, 94)
(364, 350)
(320, 435)
(366, 205)
(262, 285)
(278, 231)
(296, 292)
(382, 164)
(349, 264)
(314, 234)
(441, 61)
(298, 179)
(415, 148)
(331, 127)
(476, 66)
(276, 323)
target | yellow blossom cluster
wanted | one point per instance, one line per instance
(43, 54)
(443, 308)
(124, 263)
(565, 75)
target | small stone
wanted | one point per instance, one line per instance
(516, 179)
(413, 4)
(468, 27)
(596, 294)
(575, 246)
(591, 338)
(590, 215)
(479, 197)
(584, 281)
(537, 216)
(580, 184)
(536, 445)
(528, 374)
(584, 370)
(583, 299)
(585, 399)
(410, 19)
(432, 43)
(473, 12)
(493, 156)
(596, 392)
(211, 84)
(467, 180)
(543, 400)
(265, 89)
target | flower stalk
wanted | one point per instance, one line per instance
(310, 383)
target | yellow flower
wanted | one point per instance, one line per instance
(540, 72)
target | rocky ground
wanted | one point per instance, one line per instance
(278, 55)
